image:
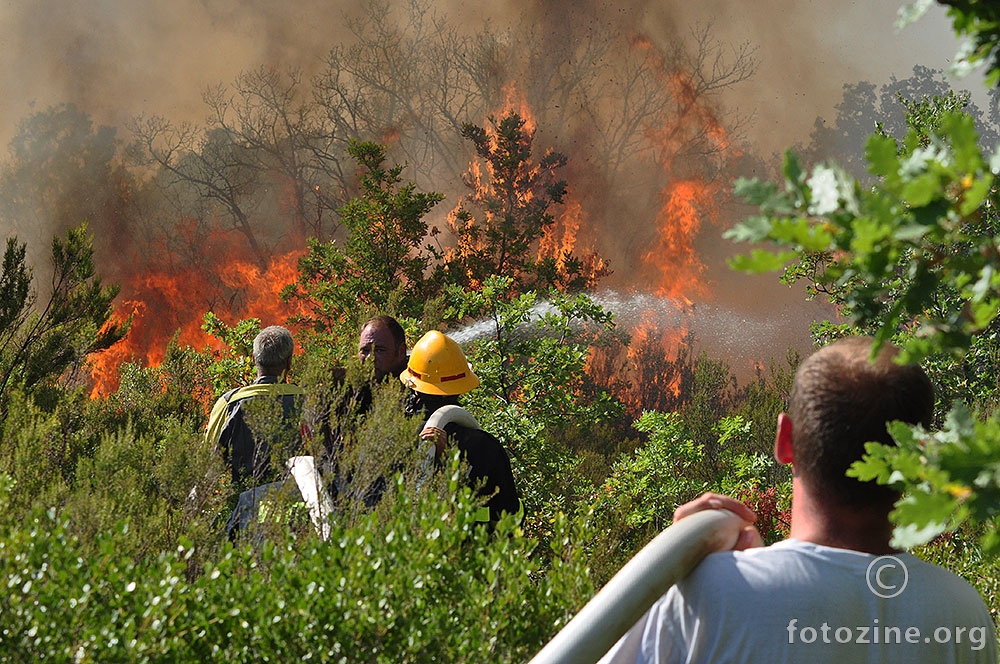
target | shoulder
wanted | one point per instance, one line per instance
(480, 446)
(936, 581)
(226, 402)
(811, 574)
(775, 602)
(789, 566)
(463, 432)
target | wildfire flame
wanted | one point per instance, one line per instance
(171, 294)
(674, 256)
(645, 375)
(168, 301)
(559, 239)
(515, 101)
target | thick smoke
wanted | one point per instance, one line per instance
(116, 58)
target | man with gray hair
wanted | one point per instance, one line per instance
(248, 429)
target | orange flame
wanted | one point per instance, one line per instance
(516, 102)
(165, 302)
(647, 375)
(689, 199)
(559, 239)
(674, 256)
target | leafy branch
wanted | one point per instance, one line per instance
(911, 259)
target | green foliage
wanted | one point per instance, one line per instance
(526, 340)
(923, 115)
(513, 195)
(644, 488)
(381, 261)
(651, 483)
(162, 485)
(375, 445)
(759, 403)
(35, 454)
(952, 475)
(386, 225)
(531, 363)
(427, 585)
(917, 247)
(235, 365)
(43, 340)
(178, 388)
(979, 22)
(15, 283)
(130, 565)
(912, 260)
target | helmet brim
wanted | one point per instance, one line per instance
(447, 386)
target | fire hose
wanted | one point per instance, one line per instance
(446, 414)
(439, 419)
(633, 590)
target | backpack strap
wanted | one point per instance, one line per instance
(263, 389)
(220, 411)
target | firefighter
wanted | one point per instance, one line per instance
(248, 453)
(437, 373)
(382, 347)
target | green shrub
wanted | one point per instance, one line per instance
(426, 584)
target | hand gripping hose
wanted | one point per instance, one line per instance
(439, 419)
(629, 594)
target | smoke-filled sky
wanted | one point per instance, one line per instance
(809, 50)
(116, 59)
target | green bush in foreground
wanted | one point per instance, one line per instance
(426, 584)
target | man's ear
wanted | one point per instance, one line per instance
(783, 440)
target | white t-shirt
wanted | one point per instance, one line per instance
(801, 602)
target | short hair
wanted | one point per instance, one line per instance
(391, 324)
(842, 398)
(272, 349)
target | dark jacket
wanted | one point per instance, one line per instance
(489, 464)
(248, 453)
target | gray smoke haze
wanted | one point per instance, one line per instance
(809, 50)
(117, 59)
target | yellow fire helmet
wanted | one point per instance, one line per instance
(438, 366)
